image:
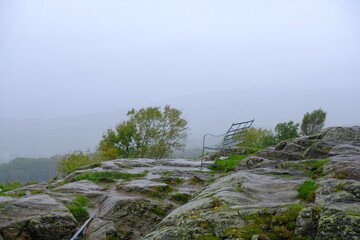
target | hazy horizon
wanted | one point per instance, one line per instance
(69, 70)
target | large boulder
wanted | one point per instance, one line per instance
(35, 217)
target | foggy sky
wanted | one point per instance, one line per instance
(218, 61)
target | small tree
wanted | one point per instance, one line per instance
(75, 160)
(313, 122)
(150, 132)
(286, 130)
(120, 142)
(259, 138)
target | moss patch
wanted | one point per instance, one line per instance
(312, 168)
(180, 197)
(268, 225)
(228, 164)
(160, 192)
(78, 210)
(306, 191)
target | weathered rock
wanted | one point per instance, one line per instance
(278, 155)
(133, 216)
(34, 188)
(254, 162)
(318, 150)
(36, 217)
(142, 186)
(100, 229)
(83, 187)
(328, 223)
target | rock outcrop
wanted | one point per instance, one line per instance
(172, 199)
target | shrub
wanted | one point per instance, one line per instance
(75, 160)
(313, 122)
(286, 130)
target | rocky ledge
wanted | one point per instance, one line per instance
(305, 188)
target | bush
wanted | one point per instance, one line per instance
(286, 130)
(313, 122)
(75, 160)
(259, 138)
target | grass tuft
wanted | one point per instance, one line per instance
(181, 197)
(228, 164)
(306, 191)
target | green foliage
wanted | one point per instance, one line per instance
(38, 191)
(159, 211)
(208, 237)
(259, 138)
(160, 192)
(80, 213)
(11, 186)
(29, 169)
(76, 159)
(150, 132)
(228, 164)
(121, 142)
(286, 130)
(81, 201)
(181, 197)
(99, 176)
(313, 122)
(216, 202)
(306, 191)
(312, 168)
(78, 210)
(268, 225)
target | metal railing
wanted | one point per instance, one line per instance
(234, 136)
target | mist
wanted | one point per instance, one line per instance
(69, 70)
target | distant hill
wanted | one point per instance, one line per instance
(29, 169)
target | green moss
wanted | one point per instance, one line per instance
(216, 201)
(312, 168)
(99, 176)
(340, 187)
(208, 237)
(341, 175)
(159, 211)
(181, 197)
(353, 213)
(228, 164)
(166, 173)
(38, 191)
(196, 179)
(268, 225)
(306, 191)
(160, 192)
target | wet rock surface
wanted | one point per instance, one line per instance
(264, 188)
(172, 199)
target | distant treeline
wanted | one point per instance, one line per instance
(29, 169)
